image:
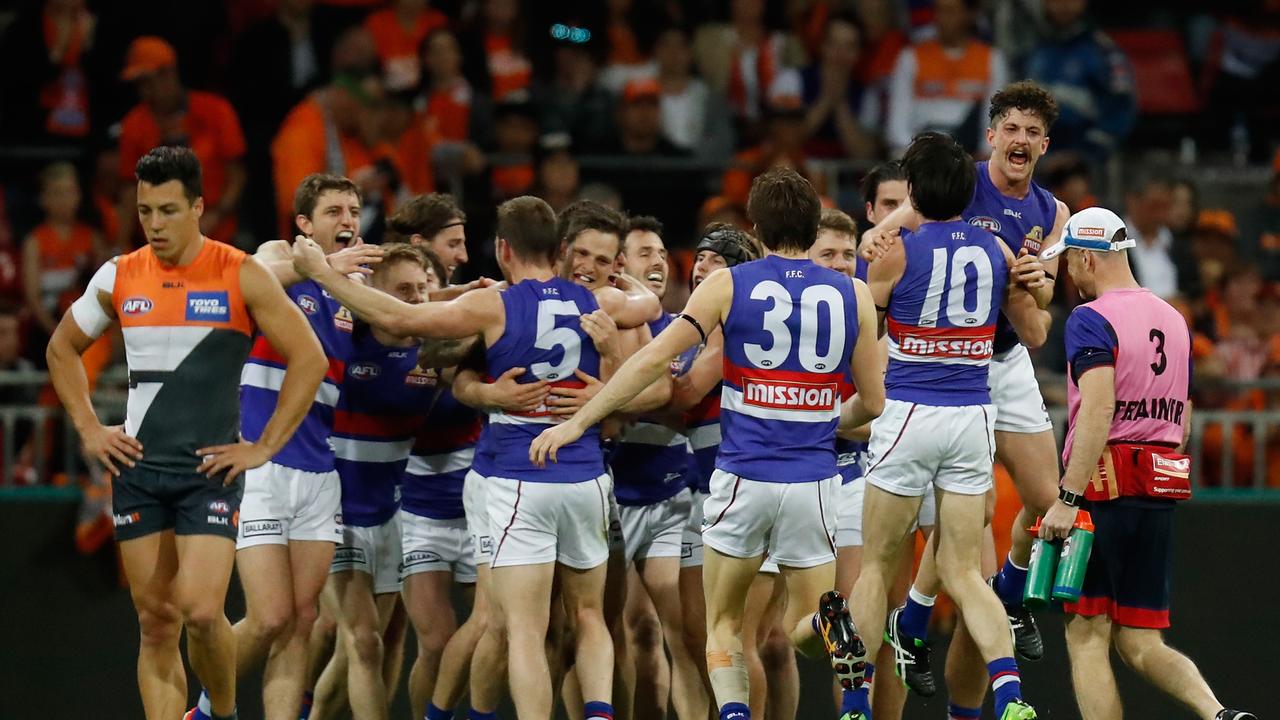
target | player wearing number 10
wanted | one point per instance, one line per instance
(943, 287)
(795, 335)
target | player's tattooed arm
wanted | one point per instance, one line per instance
(1042, 283)
(1021, 306)
(658, 394)
(455, 291)
(708, 369)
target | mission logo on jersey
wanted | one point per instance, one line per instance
(785, 395)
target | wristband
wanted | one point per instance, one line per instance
(1068, 497)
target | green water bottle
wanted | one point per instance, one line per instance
(1041, 571)
(1074, 559)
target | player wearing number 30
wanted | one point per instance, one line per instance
(793, 331)
(941, 289)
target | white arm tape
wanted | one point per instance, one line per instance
(87, 310)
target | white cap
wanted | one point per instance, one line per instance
(1094, 228)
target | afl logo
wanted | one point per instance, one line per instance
(989, 224)
(365, 371)
(308, 304)
(136, 306)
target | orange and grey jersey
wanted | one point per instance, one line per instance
(186, 335)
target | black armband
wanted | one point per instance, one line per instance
(696, 326)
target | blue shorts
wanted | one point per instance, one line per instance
(1131, 563)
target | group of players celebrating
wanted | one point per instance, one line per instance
(641, 508)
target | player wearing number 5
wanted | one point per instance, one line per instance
(546, 522)
(941, 291)
(795, 335)
(1129, 368)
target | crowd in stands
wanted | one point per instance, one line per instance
(663, 107)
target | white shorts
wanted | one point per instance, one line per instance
(1016, 393)
(540, 522)
(374, 551)
(431, 545)
(793, 522)
(282, 504)
(914, 447)
(691, 536)
(769, 567)
(849, 513)
(657, 530)
(474, 492)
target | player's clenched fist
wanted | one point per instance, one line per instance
(308, 257)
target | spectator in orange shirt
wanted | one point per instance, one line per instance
(559, 179)
(104, 194)
(946, 83)
(516, 132)
(842, 118)
(170, 114)
(496, 56)
(340, 129)
(630, 29)
(59, 252)
(783, 144)
(398, 32)
(742, 58)
(46, 90)
(449, 103)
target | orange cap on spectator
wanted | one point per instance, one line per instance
(641, 89)
(1221, 221)
(147, 54)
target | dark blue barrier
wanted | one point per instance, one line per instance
(68, 636)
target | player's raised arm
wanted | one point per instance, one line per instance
(868, 365)
(882, 276)
(471, 314)
(277, 257)
(630, 303)
(884, 235)
(706, 308)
